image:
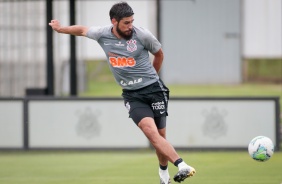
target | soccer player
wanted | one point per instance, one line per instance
(145, 95)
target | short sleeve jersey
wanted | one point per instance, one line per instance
(128, 59)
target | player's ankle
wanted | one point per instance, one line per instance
(163, 172)
(182, 165)
(163, 167)
(177, 162)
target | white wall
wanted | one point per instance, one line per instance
(101, 123)
(11, 124)
(82, 124)
(201, 42)
(262, 29)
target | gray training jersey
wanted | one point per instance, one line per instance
(128, 59)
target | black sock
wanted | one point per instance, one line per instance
(163, 167)
(178, 161)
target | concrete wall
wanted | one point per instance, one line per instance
(92, 123)
(202, 42)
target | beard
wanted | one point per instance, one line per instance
(126, 35)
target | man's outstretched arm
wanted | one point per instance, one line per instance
(76, 30)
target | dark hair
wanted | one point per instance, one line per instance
(120, 10)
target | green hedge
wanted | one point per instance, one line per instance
(264, 70)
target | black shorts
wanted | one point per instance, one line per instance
(150, 101)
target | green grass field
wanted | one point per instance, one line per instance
(138, 167)
(111, 89)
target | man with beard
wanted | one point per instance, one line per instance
(145, 95)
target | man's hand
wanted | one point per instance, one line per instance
(55, 24)
(76, 30)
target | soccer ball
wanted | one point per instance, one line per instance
(261, 148)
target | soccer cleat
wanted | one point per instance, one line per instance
(183, 174)
(162, 181)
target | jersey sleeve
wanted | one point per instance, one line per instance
(149, 41)
(94, 32)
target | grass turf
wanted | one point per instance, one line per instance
(111, 89)
(138, 167)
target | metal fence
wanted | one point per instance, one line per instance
(22, 46)
(23, 49)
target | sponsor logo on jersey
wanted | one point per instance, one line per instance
(131, 45)
(158, 105)
(129, 83)
(122, 61)
(119, 44)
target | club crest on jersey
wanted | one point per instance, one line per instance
(131, 45)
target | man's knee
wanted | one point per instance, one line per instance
(162, 132)
(146, 124)
(149, 128)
